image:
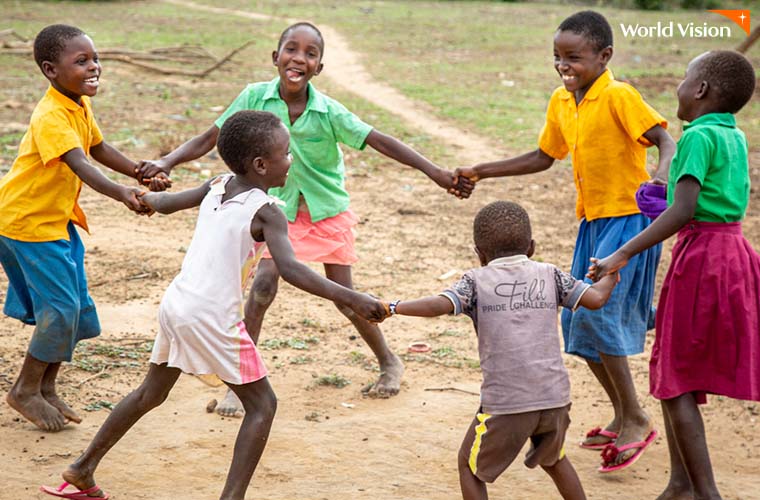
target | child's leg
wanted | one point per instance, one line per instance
(260, 403)
(391, 367)
(679, 486)
(688, 431)
(472, 487)
(635, 424)
(51, 396)
(262, 295)
(566, 479)
(151, 393)
(26, 396)
(609, 388)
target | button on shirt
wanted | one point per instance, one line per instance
(317, 171)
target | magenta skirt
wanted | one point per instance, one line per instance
(708, 316)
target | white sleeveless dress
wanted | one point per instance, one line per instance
(201, 329)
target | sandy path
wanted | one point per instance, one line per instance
(327, 443)
(343, 66)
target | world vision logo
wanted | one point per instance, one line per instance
(671, 29)
(740, 17)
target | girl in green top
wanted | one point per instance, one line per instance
(316, 202)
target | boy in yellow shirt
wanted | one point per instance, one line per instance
(40, 249)
(606, 127)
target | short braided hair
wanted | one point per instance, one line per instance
(246, 135)
(502, 228)
(591, 25)
(303, 24)
(51, 42)
(731, 75)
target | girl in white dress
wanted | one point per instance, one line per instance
(201, 315)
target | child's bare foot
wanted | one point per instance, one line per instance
(62, 407)
(632, 431)
(82, 480)
(389, 382)
(231, 406)
(35, 409)
(676, 493)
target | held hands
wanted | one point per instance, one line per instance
(150, 201)
(154, 174)
(131, 197)
(368, 307)
(600, 268)
(463, 182)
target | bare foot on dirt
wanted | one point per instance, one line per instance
(35, 409)
(230, 406)
(676, 493)
(633, 431)
(62, 407)
(82, 480)
(389, 382)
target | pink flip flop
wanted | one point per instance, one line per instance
(75, 494)
(610, 453)
(598, 431)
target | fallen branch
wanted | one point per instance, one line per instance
(455, 389)
(101, 372)
(169, 71)
(182, 54)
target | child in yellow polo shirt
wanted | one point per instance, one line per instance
(40, 250)
(606, 127)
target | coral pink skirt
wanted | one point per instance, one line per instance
(330, 241)
(708, 318)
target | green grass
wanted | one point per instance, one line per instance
(459, 63)
(472, 66)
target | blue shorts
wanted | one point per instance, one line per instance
(619, 328)
(48, 288)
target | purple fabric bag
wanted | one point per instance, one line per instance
(651, 199)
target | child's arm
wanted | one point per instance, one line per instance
(190, 150)
(270, 225)
(667, 148)
(93, 177)
(397, 150)
(427, 307)
(167, 203)
(528, 163)
(667, 224)
(112, 158)
(599, 293)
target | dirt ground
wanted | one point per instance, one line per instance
(329, 442)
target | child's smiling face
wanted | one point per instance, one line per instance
(77, 70)
(578, 61)
(298, 58)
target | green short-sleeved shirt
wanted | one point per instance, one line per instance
(317, 171)
(715, 152)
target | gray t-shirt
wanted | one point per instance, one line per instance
(513, 303)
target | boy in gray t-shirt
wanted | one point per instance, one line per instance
(513, 302)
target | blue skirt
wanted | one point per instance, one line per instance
(48, 288)
(619, 328)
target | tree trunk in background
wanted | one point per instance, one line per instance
(752, 38)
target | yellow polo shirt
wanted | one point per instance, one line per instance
(40, 193)
(604, 136)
